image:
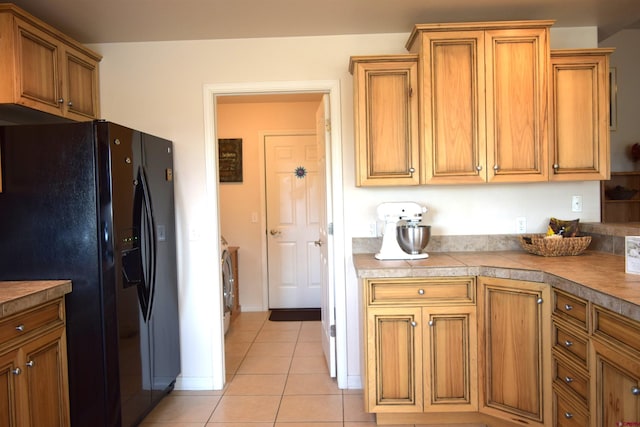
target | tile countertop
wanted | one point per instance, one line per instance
(21, 295)
(595, 276)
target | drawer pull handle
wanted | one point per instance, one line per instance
(414, 323)
(20, 328)
(420, 291)
(30, 363)
(568, 380)
(635, 391)
(16, 371)
(568, 307)
(568, 415)
(568, 343)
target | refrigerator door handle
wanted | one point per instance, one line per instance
(139, 262)
(151, 243)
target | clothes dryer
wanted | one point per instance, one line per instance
(227, 284)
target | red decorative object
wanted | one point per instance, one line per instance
(635, 152)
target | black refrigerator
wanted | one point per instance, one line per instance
(93, 202)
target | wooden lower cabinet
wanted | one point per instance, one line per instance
(33, 369)
(420, 358)
(615, 368)
(514, 351)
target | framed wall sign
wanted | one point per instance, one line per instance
(230, 159)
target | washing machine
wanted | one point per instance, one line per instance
(227, 284)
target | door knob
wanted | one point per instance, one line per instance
(275, 232)
(318, 243)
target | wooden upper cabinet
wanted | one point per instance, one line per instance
(386, 115)
(517, 84)
(38, 68)
(453, 115)
(44, 70)
(81, 96)
(579, 105)
(484, 99)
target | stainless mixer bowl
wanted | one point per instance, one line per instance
(413, 238)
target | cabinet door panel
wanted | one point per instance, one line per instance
(516, 104)
(579, 115)
(386, 109)
(454, 113)
(82, 86)
(39, 69)
(46, 380)
(515, 352)
(394, 342)
(8, 389)
(450, 359)
(617, 384)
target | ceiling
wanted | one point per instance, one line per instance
(104, 21)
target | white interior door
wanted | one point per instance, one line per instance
(323, 137)
(293, 217)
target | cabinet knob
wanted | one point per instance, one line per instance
(16, 371)
(70, 104)
(556, 166)
(635, 391)
(496, 168)
(431, 323)
(568, 380)
(61, 101)
(479, 168)
(30, 363)
(539, 301)
(420, 291)
(412, 170)
(568, 307)
(414, 323)
(568, 415)
(20, 328)
(568, 343)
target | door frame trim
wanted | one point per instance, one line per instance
(332, 87)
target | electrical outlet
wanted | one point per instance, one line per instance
(521, 225)
(576, 204)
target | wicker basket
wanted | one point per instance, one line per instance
(538, 245)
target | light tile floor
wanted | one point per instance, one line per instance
(276, 377)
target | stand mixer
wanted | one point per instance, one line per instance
(410, 215)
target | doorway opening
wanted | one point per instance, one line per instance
(335, 244)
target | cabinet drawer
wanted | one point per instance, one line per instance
(437, 291)
(32, 321)
(568, 414)
(569, 378)
(617, 328)
(570, 308)
(570, 344)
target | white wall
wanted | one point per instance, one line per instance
(626, 61)
(158, 87)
